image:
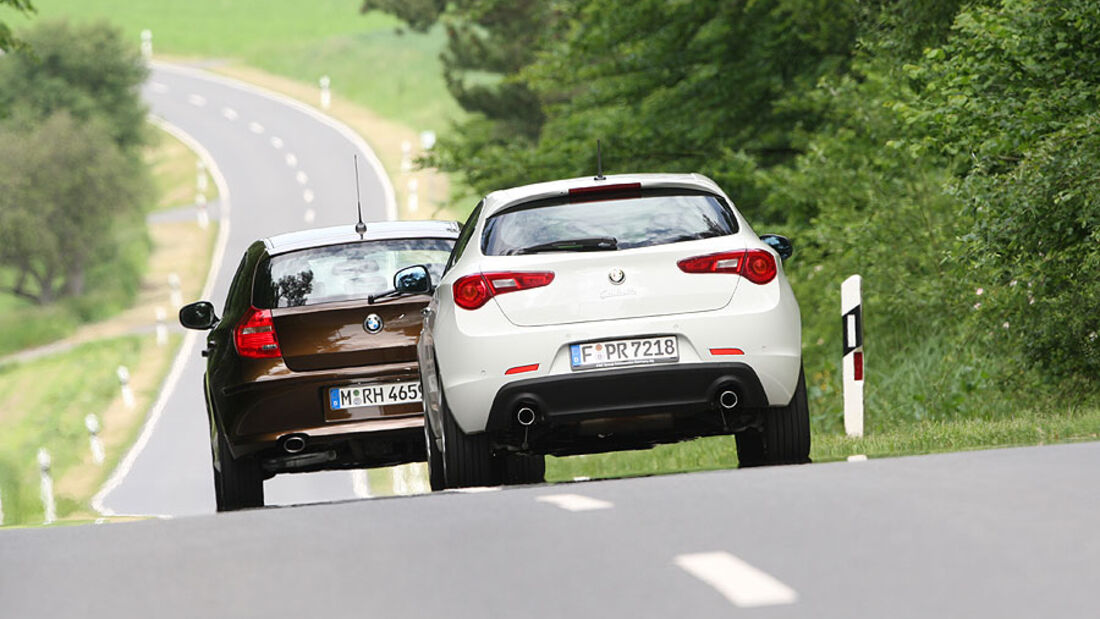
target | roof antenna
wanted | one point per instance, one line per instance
(599, 163)
(360, 228)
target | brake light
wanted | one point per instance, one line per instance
(473, 291)
(605, 192)
(255, 335)
(756, 265)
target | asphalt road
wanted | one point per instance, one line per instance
(1005, 533)
(284, 170)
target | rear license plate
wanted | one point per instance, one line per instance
(633, 351)
(340, 398)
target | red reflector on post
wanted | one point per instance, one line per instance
(726, 351)
(857, 362)
(520, 369)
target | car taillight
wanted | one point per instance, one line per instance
(597, 193)
(756, 265)
(473, 291)
(255, 335)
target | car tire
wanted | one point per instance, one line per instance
(240, 483)
(786, 435)
(467, 458)
(523, 469)
(435, 458)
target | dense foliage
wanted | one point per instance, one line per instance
(71, 179)
(947, 151)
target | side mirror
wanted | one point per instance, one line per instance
(413, 280)
(781, 244)
(198, 315)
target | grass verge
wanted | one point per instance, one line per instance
(175, 173)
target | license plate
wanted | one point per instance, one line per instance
(633, 351)
(340, 398)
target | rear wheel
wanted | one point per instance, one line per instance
(467, 458)
(240, 483)
(786, 435)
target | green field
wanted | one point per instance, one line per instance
(370, 59)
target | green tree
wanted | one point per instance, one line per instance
(66, 190)
(8, 41)
(87, 70)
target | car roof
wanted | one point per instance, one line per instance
(504, 198)
(376, 231)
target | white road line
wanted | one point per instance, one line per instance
(574, 502)
(476, 489)
(353, 137)
(196, 100)
(229, 113)
(310, 215)
(158, 87)
(277, 143)
(307, 195)
(255, 127)
(189, 340)
(857, 458)
(360, 484)
(291, 159)
(741, 584)
(302, 177)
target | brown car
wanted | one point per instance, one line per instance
(312, 365)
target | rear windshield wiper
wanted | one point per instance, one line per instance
(599, 243)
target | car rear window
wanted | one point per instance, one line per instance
(345, 272)
(653, 218)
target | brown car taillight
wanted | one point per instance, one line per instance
(473, 291)
(755, 265)
(255, 335)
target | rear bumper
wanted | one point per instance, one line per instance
(625, 409)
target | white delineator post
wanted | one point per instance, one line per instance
(92, 423)
(162, 326)
(147, 44)
(49, 508)
(414, 199)
(175, 296)
(851, 311)
(406, 156)
(1, 511)
(124, 383)
(326, 94)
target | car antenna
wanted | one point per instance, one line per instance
(599, 163)
(360, 227)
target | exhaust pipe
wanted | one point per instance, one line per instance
(525, 416)
(294, 443)
(727, 400)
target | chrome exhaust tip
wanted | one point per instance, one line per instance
(525, 416)
(294, 443)
(728, 400)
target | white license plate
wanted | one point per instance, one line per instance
(340, 398)
(633, 351)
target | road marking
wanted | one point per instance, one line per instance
(574, 502)
(307, 195)
(277, 142)
(291, 159)
(189, 340)
(350, 135)
(740, 583)
(582, 478)
(158, 87)
(229, 113)
(255, 127)
(196, 100)
(360, 484)
(310, 215)
(302, 177)
(857, 458)
(476, 489)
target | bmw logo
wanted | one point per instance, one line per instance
(373, 323)
(616, 276)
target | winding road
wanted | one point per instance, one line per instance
(283, 167)
(1001, 533)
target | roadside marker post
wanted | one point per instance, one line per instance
(851, 311)
(124, 383)
(92, 423)
(162, 326)
(326, 94)
(200, 211)
(48, 505)
(1, 510)
(200, 176)
(406, 156)
(176, 296)
(414, 199)
(147, 44)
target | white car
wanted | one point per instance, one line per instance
(590, 315)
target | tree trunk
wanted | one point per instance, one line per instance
(74, 283)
